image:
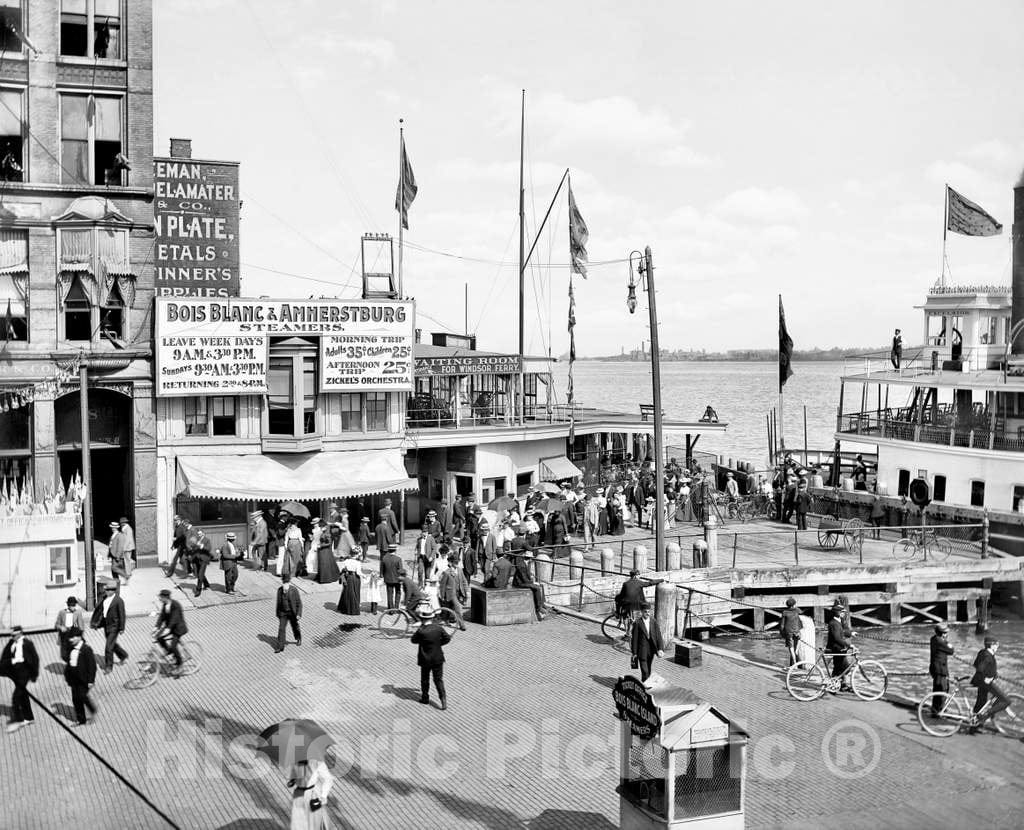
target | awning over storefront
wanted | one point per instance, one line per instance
(556, 469)
(327, 475)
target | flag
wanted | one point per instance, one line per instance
(406, 187)
(963, 216)
(9, 323)
(785, 349)
(578, 237)
(572, 353)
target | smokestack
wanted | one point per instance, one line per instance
(1017, 271)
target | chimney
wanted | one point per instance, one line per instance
(1017, 271)
(181, 148)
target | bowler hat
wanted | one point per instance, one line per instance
(165, 594)
(72, 600)
(230, 537)
(124, 520)
(991, 641)
(941, 628)
(114, 525)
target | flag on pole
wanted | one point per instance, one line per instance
(9, 333)
(578, 237)
(785, 349)
(963, 216)
(406, 187)
(572, 355)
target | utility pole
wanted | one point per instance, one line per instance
(660, 556)
(90, 556)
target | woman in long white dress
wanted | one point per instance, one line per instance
(312, 784)
(806, 648)
(432, 574)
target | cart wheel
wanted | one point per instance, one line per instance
(853, 535)
(828, 538)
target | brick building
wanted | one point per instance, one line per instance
(76, 241)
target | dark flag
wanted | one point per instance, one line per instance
(406, 187)
(9, 333)
(963, 216)
(785, 349)
(578, 237)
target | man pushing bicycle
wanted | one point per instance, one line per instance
(985, 675)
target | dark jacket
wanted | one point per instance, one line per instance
(837, 642)
(643, 646)
(802, 501)
(180, 537)
(114, 621)
(940, 651)
(385, 536)
(790, 623)
(390, 565)
(289, 599)
(984, 667)
(172, 617)
(387, 515)
(501, 572)
(522, 577)
(229, 556)
(431, 638)
(84, 674)
(631, 595)
(452, 586)
(28, 652)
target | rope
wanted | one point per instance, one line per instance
(142, 796)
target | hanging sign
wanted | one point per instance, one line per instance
(636, 705)
(470, 364)
(220, 347)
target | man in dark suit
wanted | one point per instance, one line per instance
(229, 557)
(170, 626)
(202, 553)
(631, 595)
(20, 662)
(938, 666)
(432, 526)
(386, 514)
(391, 568)
(802, 504)
(444, 517)
(430, 639)
(289, 610)
(646, 641)
(501, 573)
(385, 537)
(426, 553)
(80, 675)
(110, 616)
(837, 643)
(459, 516)
(413, 595)
(453, 589)
(522, 578)
(985, 675)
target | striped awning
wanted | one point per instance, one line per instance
(558, 468)
(327, 475)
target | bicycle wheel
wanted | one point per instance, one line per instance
(904, 549)
(613, 627)
(446, 618)
(941, 714)
(770, 513)
(148, 669)
(869, 679)
(1013, 727)
(191, 656)
(806, 680)
(393, 623)
(940, 549)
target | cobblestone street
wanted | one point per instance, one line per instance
(528, 740)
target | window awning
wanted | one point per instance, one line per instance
(558, 468)
(327, 475)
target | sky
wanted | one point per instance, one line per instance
(797, 148)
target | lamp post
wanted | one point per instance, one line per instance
(645, 268)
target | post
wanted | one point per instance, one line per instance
(401, 512)
(805, 435)
(796, 546)
(90, 556)
(659, 450)
(984, 534)
(735, 540)
(522, 263)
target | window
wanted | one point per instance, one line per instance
(524, 481)
(222, 415)
(292, 387)
(903, 487)
(12, 134)
(90, 139)
(530, 394)
(95, 282)
(15, 442)
(977, 493)
(351, 412)
(60, 564)
(376, 411)
(196, 420)
(1018, 499)
(90, 28)
(13, 285)
(209, 416)
(11, 19)
(939, 490)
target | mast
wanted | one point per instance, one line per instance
(401, 192)
(522, 264)
(945, 228)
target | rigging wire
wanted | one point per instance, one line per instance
(495, 279)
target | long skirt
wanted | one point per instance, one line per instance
(349, 601)
(602, 523)
(326, 567)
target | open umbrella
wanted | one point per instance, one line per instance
(549, 489)
(549, 505)
(291, 741)
(503, 503)
(295, 509)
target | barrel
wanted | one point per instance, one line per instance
(607, 560)
(575, 564)
(640, 558)
(673, 557)
(543, 567)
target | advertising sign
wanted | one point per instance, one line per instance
(635, 704)
(195, 209)
(469, 364)
(220, 347)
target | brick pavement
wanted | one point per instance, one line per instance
(550, 682)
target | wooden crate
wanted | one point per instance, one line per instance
(508, 606)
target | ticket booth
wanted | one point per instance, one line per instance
(683, 762)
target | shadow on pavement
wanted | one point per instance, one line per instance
(55, 668)
(401, 692)
(607, 682)
(266, 638)
(569, 820)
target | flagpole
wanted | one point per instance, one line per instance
(401, 191)
(522, 265)
(945, 228)
(781, 424)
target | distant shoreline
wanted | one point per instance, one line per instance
(831, 356)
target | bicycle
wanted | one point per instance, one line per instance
(928, 542)
(954, 711)
(397, 622)
(156, 661)
(617, 627)
(809, 680)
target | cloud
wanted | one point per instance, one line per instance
(374, 49)
(755, 205)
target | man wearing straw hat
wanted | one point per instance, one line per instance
(229, 557)
(258, 539)
(430, 640)
(115, 553)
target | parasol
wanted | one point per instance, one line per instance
(549, 505)
(503, 503)
(295, 509)
(293, 741)
(549, 489)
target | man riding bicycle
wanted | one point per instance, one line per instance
(170, 626)
(630, 596)
(414, 596)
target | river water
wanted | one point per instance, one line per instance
(741, 392)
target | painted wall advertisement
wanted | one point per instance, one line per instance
(221, 347)
(195, 209)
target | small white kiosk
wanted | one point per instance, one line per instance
(39, 564)
(683, 762)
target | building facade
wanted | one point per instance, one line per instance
(76, 237)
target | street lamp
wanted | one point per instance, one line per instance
(644, 265)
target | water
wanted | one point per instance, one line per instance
(741, 393)
(903, 650)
